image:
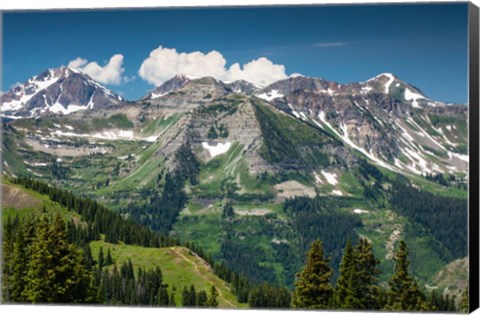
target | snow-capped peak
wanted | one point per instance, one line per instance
(61, 91)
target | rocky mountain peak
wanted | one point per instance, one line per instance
(175, 83)
(56, 91)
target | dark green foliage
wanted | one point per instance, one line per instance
(99, 219)
(188, 165)
(367, 289)
(43, 266)
(317, 219)
(120, 121)
(212, 298)
(268, 296)
(212, 133)
(124, 287)
(239, 257)
(226, 107)
(357, 285)
(228, 212)
(444, 217)
(162, 210)
(223, 131)
(108, 259)
(58, 170)
(404, 293)
(346, 295)
(202, 298)
(290, 142)
(313, 288)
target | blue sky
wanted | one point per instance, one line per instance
(425, 45)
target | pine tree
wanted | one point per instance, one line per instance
(108, 259)
(202, 298)
(56, 271)
(19, 266)
(192, 296)
(367, 289)
(7, 257)
(345, 295)
(185, 297)
(312, 289)
(212, 298)
(404, 293)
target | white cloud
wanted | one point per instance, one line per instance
(330, 44)
(111, 73)
(164, 63)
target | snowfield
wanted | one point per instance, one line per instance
(268, 96)
(330, 177)
(217, 149)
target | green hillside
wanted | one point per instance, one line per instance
(180, 266)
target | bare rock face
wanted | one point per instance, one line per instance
(242, 87)
(194, 93)
(57, 91)
(172, 85)
(384, 118)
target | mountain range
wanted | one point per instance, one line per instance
(253, 147)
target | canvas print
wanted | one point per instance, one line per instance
(262, 157)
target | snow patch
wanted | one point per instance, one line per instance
(268, 96)
(217, 149)
(412, 96)
(360, 211)
(293, 111)
(318, 180)
(337, 193)
(154, 96)
(330, 177)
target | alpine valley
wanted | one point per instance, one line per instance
(253, 175)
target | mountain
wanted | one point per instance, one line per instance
(242, 87)
(171, 85)
(254, 175)
(387, 120)
(56, 91)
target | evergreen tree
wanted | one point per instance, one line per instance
(56, 271)
(171, 300)
(19, 266)
(404, 293)
(7, 258)
(192, 296)
(367, 290)
(312, 289)
(162, 296)
(212, 133)
(202, 298)
(108, 259)
(346, 292)
(212, 298)
(228, 211)
(185, 297)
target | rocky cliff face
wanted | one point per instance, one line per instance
(384, 118)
